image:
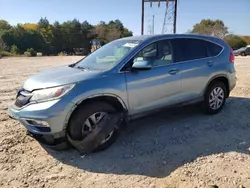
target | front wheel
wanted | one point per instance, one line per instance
(84, 121)
(215, 98)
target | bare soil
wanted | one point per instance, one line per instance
(175, 148)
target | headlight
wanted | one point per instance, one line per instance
(51, 93)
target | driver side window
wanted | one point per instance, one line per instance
(156, 54)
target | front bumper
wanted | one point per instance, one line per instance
(55, 113)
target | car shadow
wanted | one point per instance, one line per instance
(158, 144)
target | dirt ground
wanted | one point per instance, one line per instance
(178, 148)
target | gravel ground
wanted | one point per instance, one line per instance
(178, 148)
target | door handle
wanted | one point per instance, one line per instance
(173, 71)
(210, 63)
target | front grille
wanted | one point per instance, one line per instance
(22, 98)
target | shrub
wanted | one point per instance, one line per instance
(30, 52)
(14, 50)
(62, 54)
(5, 53)
(27, 54)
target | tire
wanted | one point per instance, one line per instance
(210, 107)
(80, 116)
(243, 54)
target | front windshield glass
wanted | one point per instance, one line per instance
(108, 55)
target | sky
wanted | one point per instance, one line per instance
(235, 14)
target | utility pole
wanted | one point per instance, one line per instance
(175, 15)
(153, 25)
(170, 18)
(142, 18)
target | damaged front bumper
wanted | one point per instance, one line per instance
(50, 141)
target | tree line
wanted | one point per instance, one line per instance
(219, 29)
(58, 37)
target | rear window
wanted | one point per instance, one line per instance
(213, 49)
(189, 49)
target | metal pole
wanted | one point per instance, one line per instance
(175, 15)
(142, 18)
(153, 25)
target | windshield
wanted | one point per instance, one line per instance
(108, 55)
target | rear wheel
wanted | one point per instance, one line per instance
(243, 54)
(215, 98)
(85, 119)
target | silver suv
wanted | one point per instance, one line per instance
(127, 78)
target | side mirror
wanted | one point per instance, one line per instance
(141, 65)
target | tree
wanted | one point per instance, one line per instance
(24, 39)
(246, 38)
(113, 34)
(235, 41)
(127, 33)
(210, 27)
(87, 35)
(100, 32)
(4, 25)
(59, 37)
(3, 46)
(43, 23)
(111, 31)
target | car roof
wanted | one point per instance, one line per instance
(160, 36)
(151, 38)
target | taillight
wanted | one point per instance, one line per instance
(231, 58)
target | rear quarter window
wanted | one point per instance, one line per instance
(213, 49)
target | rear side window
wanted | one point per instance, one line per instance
(189, 49)
(213, 49)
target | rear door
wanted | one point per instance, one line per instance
(196, 65)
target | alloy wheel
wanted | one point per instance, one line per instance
(91, 122)
(216, 98)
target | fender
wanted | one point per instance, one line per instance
(92, 97)
(104, 95)
(212, 79)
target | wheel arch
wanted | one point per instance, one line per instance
(111, 99)
(222, 78)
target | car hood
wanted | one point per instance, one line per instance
(58, 76)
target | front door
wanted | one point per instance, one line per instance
(157, 87)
